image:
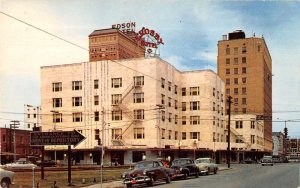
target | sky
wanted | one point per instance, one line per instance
(190, 29)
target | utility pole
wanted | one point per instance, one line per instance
(285, 139)
(13, 125)
(102, 146)
(228, 139)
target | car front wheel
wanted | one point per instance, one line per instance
(151, 182)
(168, 180)
(5, 183)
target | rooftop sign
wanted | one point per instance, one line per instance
(154, 38)
(125, 27)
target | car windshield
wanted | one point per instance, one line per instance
(147, 164)
(202, 161)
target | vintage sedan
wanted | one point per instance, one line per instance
(6, 178)
(185, 167)
(267, 160)
(146, 172)
(206, 165)
(20, 164)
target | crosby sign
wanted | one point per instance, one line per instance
(157, 40)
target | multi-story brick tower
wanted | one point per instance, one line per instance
(245, 65)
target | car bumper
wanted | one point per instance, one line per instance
(136, 180)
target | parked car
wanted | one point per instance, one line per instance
(146, 172)
(185, 167)
(267, 160)
(249, 161)
(47, 163)
(20, 164)
(206, 165)
(6, 178)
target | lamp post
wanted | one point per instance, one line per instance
(160, 107)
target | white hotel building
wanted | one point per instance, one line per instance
(145, 106)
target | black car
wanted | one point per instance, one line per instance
(185, 167)
(146, 172)
(47, 163)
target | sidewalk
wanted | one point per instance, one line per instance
(118, 184)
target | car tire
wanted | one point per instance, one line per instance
(151, 182)
(185, 175)
(215, 171)
(197, 175)
(5, 183)
(128, 185)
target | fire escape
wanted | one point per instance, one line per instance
(120, 104)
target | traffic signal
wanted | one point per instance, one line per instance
(99, 142)
(285, 132)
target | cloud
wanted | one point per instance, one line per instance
(177, 62)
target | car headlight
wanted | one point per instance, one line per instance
(180, 169)
(145, 172)
(123, 175)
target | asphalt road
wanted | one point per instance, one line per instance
(246, 176)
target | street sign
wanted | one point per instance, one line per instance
(263, 117)
(56, 138)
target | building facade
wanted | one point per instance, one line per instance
(245, 65)
(278, 144)
(293, 149)
(113, 44)
(32, 117)
(135, 107)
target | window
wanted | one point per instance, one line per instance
(238, 139)
(57, 117)
(194, 91)
(244, 90)
(222, 111)
(116, 115)
(97, 134)
(222, 97)
(57, 102)
(176, 135)
(116, 134)
(214, 92)
(96, 116)
(244, 49)
(236, 71)
(252, 124)
(139, 133)
(176, 119)
(163, 132)
(253, 139)
(195, 120)
(169, 86)
(195, 135)
(57, 86)
(138, 98)
(214, 136)
(162, 99)
(183, 135)
(227, 61)
(34, 115)
(227, 51)
(244, 101)
(227, 91)
(77, 117)
(139, 114)
(163, 115)
(22, 139)
(244, 110)
(169, 102)
(227, 81)
(236, 50)
(236, 91)
(236, 101)
(116, 82)
(170, 135)
(183, 120)
(163, 82)
(214, 106)
(236, 81)
(116, 99)
(96, 84)
(227, 71)
(195, 105)
(183, 91)
(244, 80)
(244, 60)
(77, 101)
(183, 106)
(176, 104)
(138, 80)
(77, 85)
(175, 89)
(170, 117)
(4, 138)
(238, 124)
(236, 61)
(96, 100)
(244, 70)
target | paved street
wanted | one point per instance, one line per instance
(247, 176)
(240, 176)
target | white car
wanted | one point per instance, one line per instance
(20, 164)
(6, 178)
(206, 165)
